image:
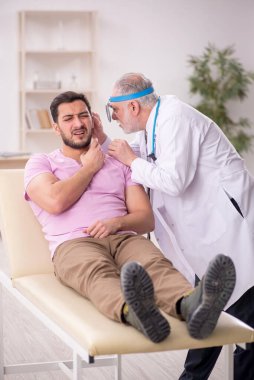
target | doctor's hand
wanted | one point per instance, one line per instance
(122, 151)
(98, 128)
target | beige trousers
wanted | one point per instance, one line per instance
(92, 267)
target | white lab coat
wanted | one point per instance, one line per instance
(196, 173)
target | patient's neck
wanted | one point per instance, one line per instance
(73, 153)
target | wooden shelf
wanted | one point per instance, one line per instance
(55, 91)
(68, 52)
(39, 131)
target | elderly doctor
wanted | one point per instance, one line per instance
(201, 192)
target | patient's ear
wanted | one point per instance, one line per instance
(56, 128)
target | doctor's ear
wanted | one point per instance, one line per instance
(134, 107)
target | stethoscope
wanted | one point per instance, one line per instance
(152, 154)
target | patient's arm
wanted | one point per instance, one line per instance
(56, 196)
(139, 219)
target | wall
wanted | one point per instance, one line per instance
(152, 36)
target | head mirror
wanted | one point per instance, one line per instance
(109, 112)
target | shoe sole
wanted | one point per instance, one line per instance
(138, 291)
(219, 283)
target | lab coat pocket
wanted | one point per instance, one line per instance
(230, 207)
(234, 203)
(237, 190)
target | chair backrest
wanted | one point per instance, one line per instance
(23, 239)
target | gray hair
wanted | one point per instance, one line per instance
(131, 83)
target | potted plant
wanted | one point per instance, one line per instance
(218, 78)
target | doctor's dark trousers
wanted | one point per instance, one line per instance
(199, 363)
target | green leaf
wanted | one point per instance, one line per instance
(218, 77)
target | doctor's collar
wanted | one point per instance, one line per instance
(123, 98)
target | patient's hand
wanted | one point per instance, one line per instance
(102, 228)
(94, 157)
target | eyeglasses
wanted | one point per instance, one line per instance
(109, 112)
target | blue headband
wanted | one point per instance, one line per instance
(131, 96)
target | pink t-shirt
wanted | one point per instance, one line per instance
(104, 197)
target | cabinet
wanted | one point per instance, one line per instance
(58, 52)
